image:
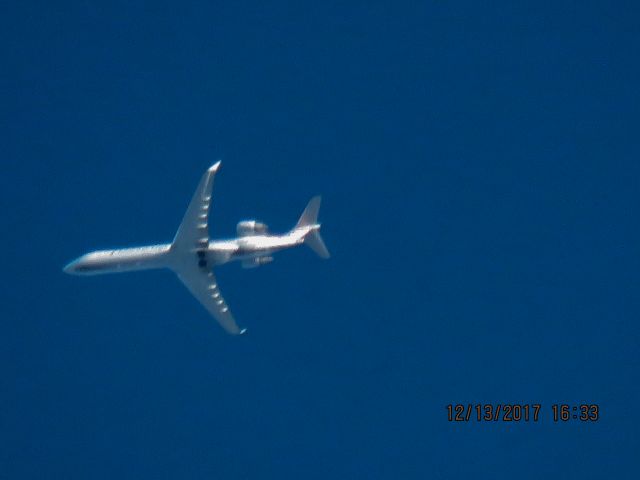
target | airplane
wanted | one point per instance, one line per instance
(192, 255)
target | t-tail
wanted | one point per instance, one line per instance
(310, 228)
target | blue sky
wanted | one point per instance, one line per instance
(479, 171)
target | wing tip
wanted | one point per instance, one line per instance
(214, 168)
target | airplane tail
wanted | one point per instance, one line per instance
(309, 219)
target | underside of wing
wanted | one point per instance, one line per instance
(194, 229)
(189, 254)
(202, 284)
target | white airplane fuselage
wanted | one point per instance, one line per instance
(218, 252)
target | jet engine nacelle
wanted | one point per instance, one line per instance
(251, 227)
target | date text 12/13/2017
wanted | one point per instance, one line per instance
(514, 412)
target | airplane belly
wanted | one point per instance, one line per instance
(122, 260)
(251, 255)
(222, 252)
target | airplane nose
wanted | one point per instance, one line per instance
(70, 268)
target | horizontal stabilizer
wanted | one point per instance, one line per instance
(314, 241)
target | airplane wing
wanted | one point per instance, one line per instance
(194, 229)
(204, 287)
(190, 265)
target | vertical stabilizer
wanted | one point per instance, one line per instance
(310, 215)
(309, 220)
